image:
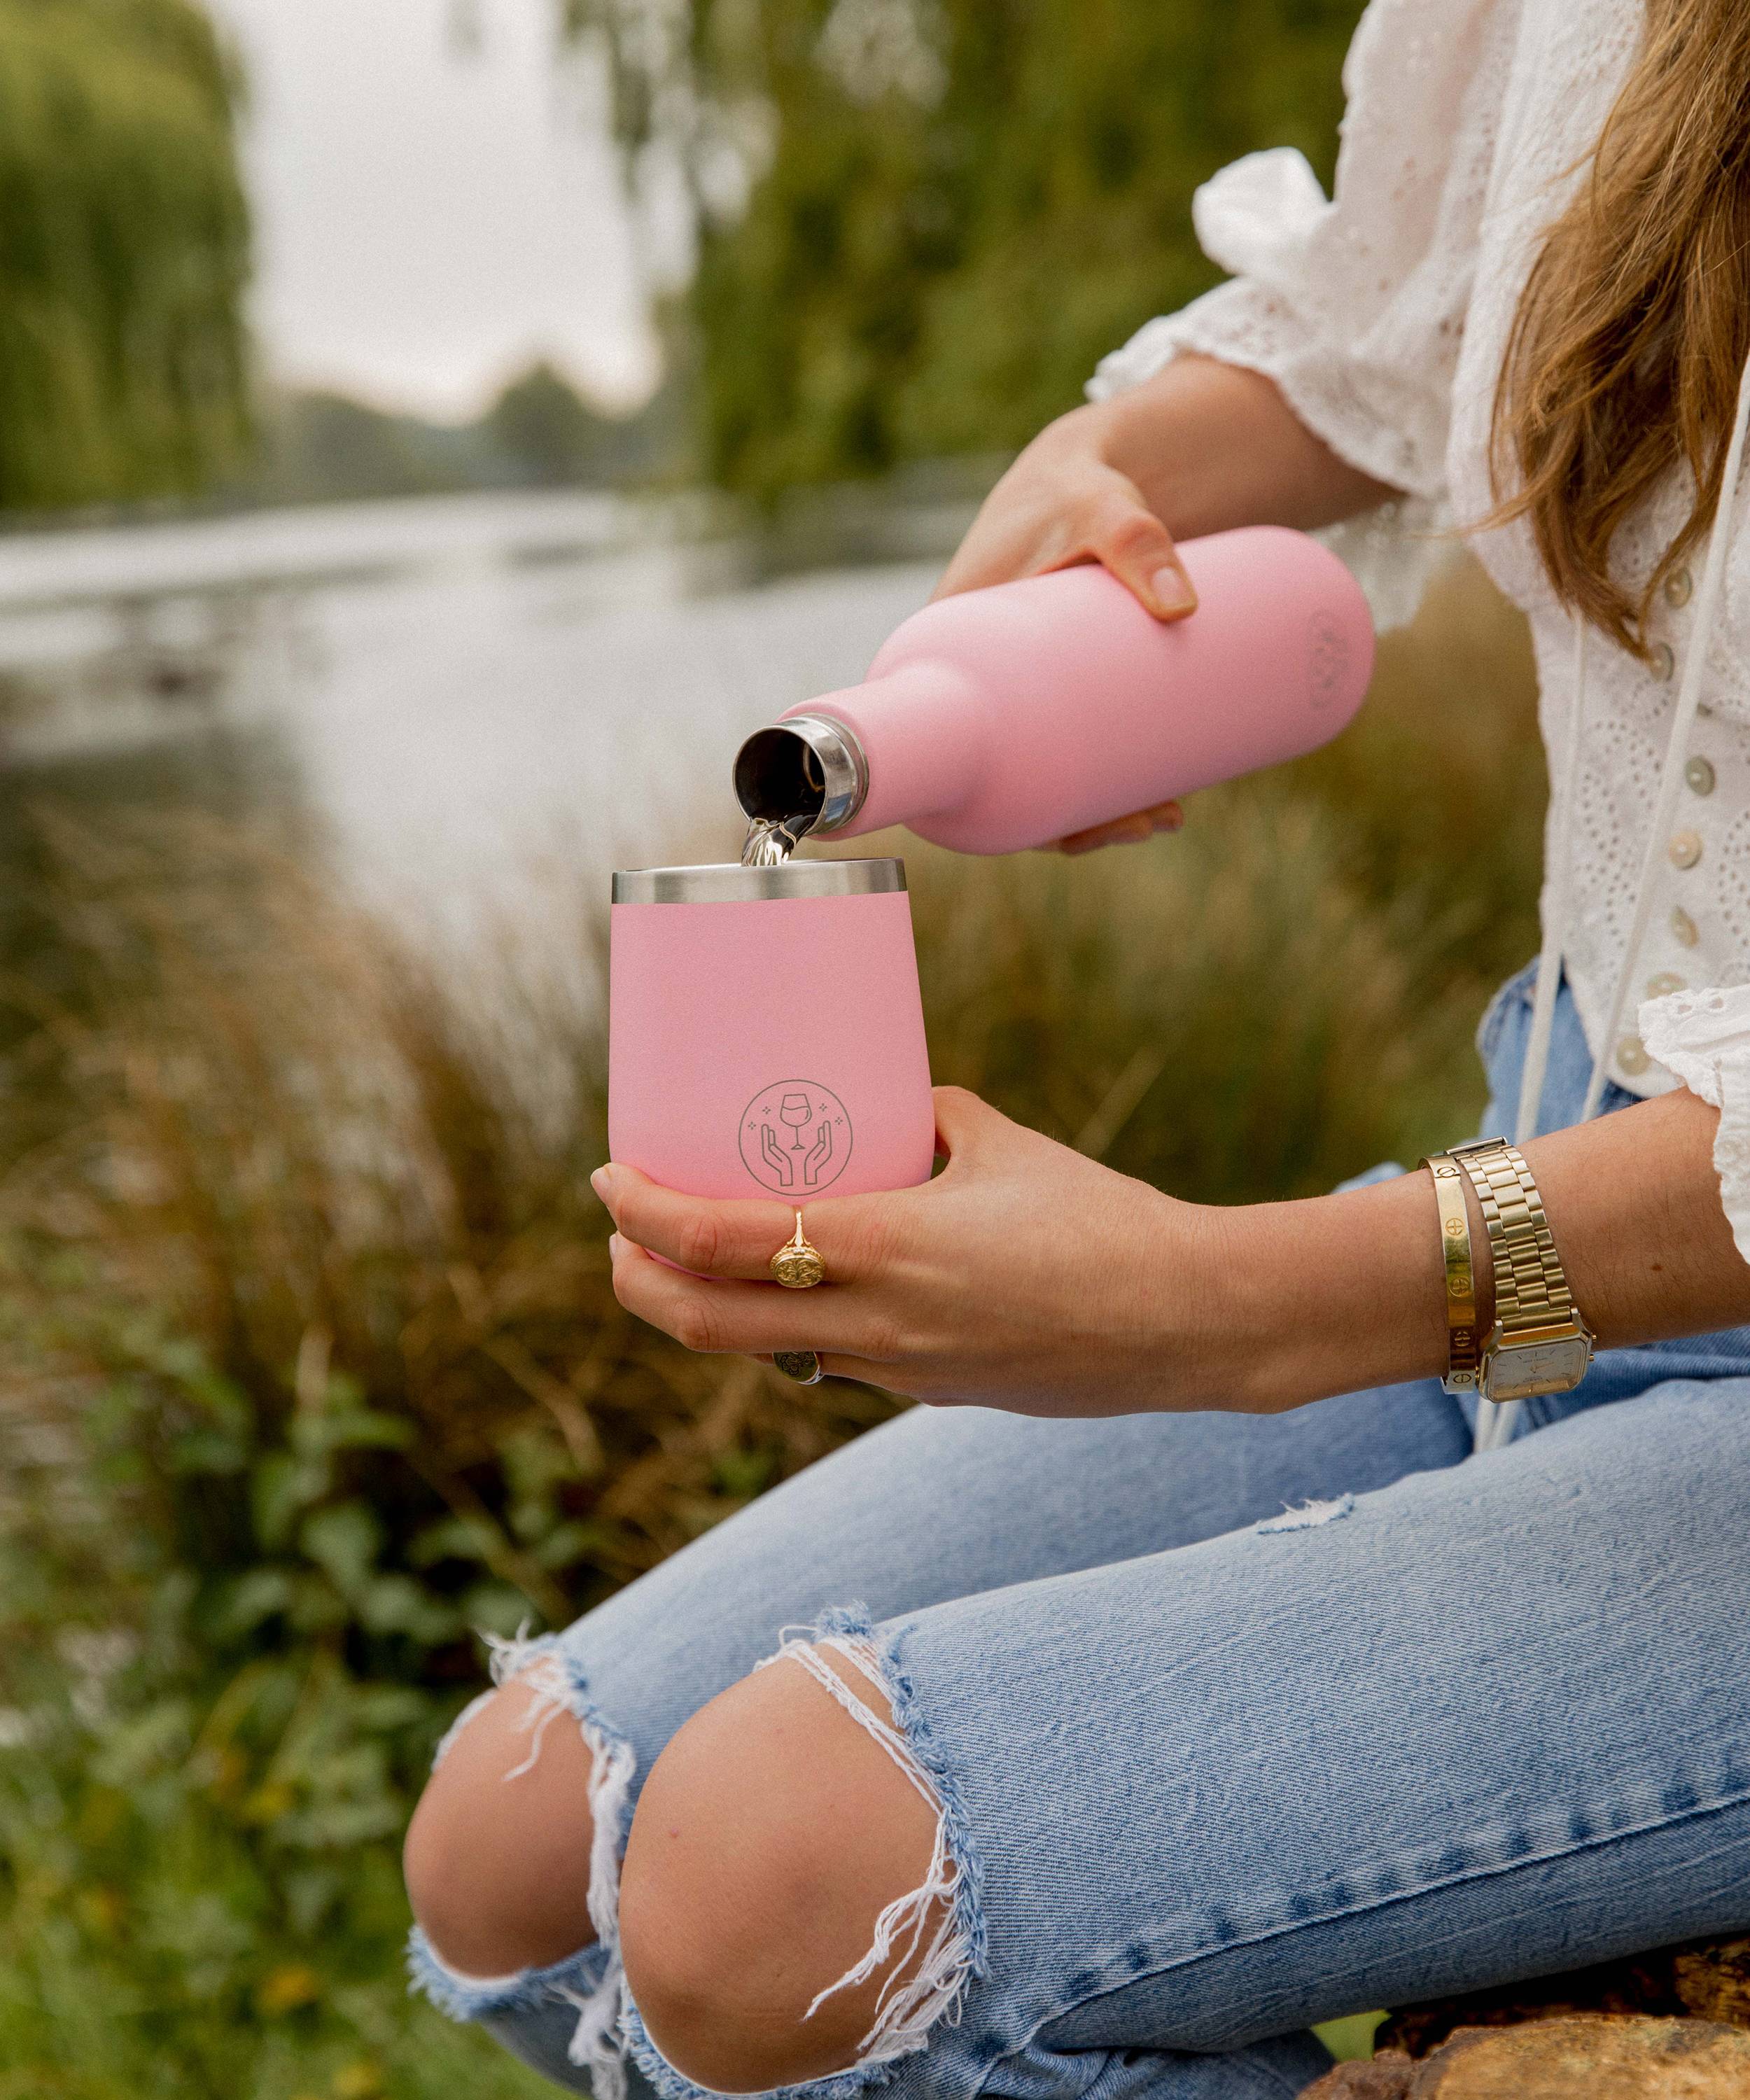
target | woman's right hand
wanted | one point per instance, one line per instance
(1061, 503)
(1209, 445)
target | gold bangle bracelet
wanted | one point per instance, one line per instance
(1463, 1349)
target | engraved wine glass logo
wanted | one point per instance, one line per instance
(795, 1137)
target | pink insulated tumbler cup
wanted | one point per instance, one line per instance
(765, 1032)
(1000, 719)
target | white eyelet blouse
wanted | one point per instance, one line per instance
(1383, 317)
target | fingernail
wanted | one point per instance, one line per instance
(615, 1243)
(1172, 586)
(602, 1180)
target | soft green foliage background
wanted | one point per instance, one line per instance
(956, 206)
(310, 1364)
(123, 253)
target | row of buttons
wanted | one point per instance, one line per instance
(1685, 848)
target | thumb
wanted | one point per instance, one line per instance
(961, 1119)
(1138, 550)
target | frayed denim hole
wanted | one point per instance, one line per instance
(458, 1997)
(949, 1952)
(593, 1980)
(447, 1740)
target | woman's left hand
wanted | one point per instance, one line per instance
(1024, 1276)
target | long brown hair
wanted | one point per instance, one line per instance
(1625, 352)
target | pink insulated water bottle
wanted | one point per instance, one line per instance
(1004, 718)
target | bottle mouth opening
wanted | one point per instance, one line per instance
(807, 773)
(778, 776)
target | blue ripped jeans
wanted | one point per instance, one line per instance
(1236, 1723)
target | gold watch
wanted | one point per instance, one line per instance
(1539, 1342)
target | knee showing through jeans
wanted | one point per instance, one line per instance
(498, 1854)
(785, 1906)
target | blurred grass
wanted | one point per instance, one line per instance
(312, 1363)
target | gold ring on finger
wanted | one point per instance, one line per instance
(797, 1265)
(801, 1365)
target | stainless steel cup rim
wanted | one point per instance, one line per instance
(729, 883)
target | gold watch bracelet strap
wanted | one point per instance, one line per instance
(1463, 1348)
(1531, 1286)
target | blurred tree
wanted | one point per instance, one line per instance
(123, 252)
(327, 447)
(548, 432)
(922, 221)
(539, 432)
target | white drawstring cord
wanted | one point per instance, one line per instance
(1555, 929)
(1495, 1424)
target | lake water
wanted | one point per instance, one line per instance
(455, 689)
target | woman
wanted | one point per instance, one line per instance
(1128, 1742)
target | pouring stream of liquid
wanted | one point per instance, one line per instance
(771, 840)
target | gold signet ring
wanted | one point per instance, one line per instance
(797, 1265)
(801, 1365)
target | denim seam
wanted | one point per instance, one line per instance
(1737, 1799)
(1261, 2073)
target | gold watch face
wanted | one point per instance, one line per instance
(1521, 1371)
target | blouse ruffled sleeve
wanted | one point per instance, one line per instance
(1703, 1039)
(1355, 307)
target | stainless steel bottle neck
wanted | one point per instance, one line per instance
(807, 772)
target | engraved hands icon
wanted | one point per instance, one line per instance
(796, 1111)
(776, 1158)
